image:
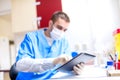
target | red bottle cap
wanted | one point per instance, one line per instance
(116, 31)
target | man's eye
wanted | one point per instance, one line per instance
(65, 30)
(59, 27)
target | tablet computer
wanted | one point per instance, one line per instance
(82, 57)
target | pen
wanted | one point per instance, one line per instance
(111, 56)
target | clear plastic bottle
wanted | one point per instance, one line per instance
(109, 67)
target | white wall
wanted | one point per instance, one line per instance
(104, 19)
(79, 31)
(92, 23)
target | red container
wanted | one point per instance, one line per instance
(117, 65)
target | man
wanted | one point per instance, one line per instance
(42, 50)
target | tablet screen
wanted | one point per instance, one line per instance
(82, 57)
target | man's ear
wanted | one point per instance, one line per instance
(50, 23)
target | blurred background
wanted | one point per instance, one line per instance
(91, 29)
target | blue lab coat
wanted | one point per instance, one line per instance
(36, 46)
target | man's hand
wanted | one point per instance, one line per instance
(61, 59)
(78, 68)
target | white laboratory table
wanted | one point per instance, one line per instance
(90, 72)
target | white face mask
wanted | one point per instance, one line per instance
(56, 33)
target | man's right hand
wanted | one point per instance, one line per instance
(61, 59)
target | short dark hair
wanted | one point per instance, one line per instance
(60, 14)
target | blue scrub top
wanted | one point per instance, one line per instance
(35, 46)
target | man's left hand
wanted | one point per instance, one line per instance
(78, 68)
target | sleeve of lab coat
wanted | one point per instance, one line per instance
(34, 65)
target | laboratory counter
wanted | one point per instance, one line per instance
(90, 72)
